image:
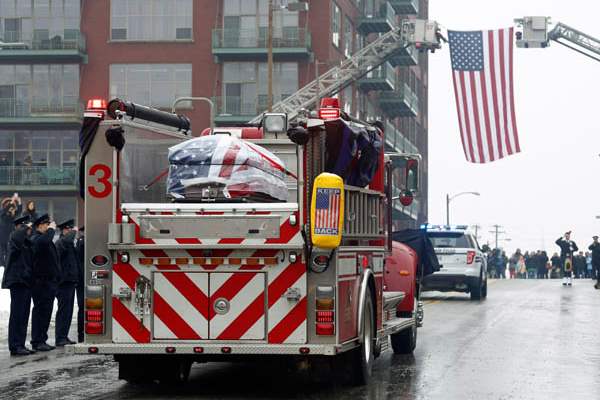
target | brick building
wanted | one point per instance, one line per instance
(152, 51)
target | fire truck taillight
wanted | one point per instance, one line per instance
(94, 315)
(325, 314)
(94, 303)
(94, 328)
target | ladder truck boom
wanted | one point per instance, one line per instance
(537, 34)
(423, 34)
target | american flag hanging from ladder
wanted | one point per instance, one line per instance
(327, 215)
(482, 67)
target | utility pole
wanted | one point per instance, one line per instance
(477, 227)
(497, 232)
(270, 58)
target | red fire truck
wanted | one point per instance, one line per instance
(169, 283)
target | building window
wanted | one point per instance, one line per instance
(348, 36)
(348, 99)
(336, 22)
(245, 23)
(245, 86)
(41, 24)
(155, 85)
(156, 20)
(30, 90)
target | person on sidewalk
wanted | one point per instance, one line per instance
(46, 271)
(17, 278)
(595, 249)
(567, 250)
(69, 274)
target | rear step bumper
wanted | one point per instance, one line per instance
(188, 348)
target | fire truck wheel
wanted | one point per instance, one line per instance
(135, 371)
(405, 341)
(175, 372)
(363, 354)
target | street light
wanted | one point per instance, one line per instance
(450, 198)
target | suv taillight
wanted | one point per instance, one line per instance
(470, 257)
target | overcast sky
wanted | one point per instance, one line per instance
(552, 185)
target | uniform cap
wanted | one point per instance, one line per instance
(44, 219)
(21, 220)
(595, 237)
(68, 224)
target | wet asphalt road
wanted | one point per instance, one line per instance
(529, 340)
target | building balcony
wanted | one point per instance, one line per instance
(30, 178)
(396, 142)
(402, 102)
(26, 114)
(39, 47)
(382, 21)
(238, 110)
(405, 57)
(381, 78)
(241, 44)
(405, 7)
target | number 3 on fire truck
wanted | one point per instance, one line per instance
(100, 174)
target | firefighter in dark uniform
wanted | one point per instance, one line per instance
(79, 247)
(567, 249)
(46, 271)
(17, 278)
(595, 249)
(67, 281)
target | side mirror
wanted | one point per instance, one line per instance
(274, 124)
(412, 175)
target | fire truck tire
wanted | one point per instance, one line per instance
(363, 355)
(135, 370)
(405, 341)
(175, 372)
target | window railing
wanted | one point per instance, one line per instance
(286, 37)
(384, 71)
(38, 176)
(71, 39)
(16, 108)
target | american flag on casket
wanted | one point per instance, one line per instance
(239, 169)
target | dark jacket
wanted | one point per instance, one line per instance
(6, 223)
(555, 261)
(46, 265)
(19, 261)
(595, 249)
(79, 248)
(567, 248)
(67, 255)
(579, 263)
(33, 215)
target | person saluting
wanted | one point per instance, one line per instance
(567, 249)
(17, 278)
(46, 272)
(67, 281)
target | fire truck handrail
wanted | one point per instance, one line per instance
(193, 207)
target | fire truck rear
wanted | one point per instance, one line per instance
(169, 283)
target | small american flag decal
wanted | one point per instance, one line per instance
(327, 212)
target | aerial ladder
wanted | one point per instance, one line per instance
(536, 33)
(423, 34)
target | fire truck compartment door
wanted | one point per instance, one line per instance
(180, 305)
(222, 226)
(237, 306)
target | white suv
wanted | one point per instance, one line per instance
(463, 264)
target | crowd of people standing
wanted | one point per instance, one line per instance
(40, 269)
(569, 263)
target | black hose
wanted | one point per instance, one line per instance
(181, 122)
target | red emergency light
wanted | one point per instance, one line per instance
(330, 108)
(96, 104)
